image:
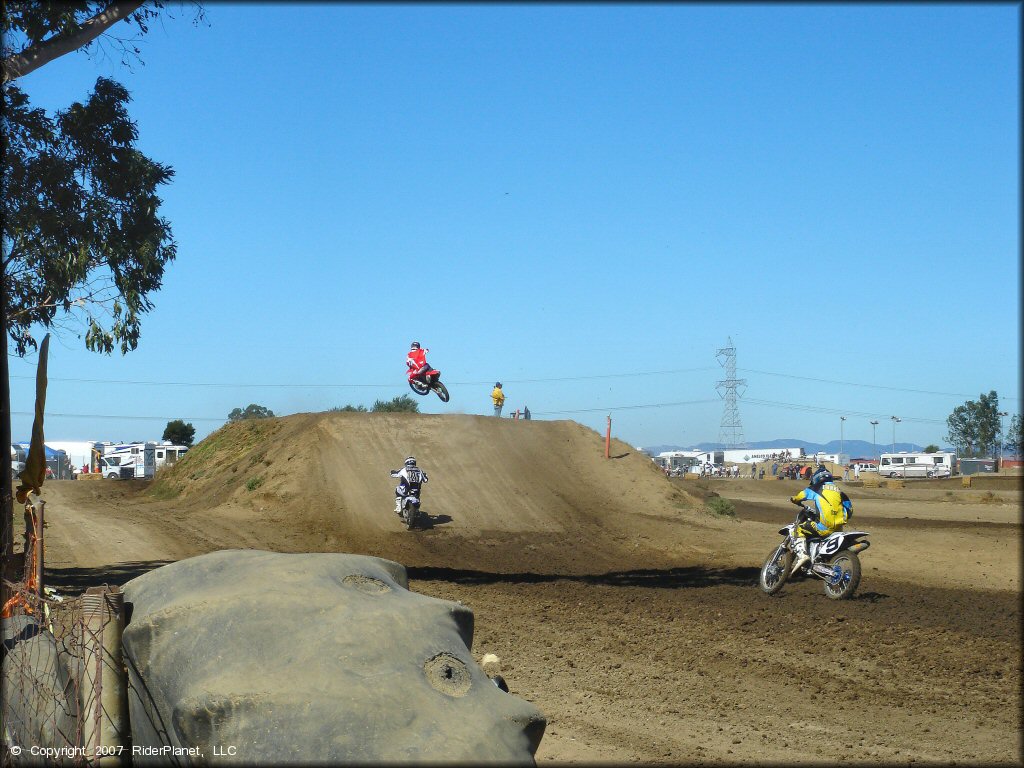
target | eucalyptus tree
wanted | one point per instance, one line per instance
(83, 241)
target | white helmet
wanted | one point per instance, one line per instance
(411, 461)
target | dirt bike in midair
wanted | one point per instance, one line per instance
(833, 559)
(429, 380)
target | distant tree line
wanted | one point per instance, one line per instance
(976, 428)
(401, 404)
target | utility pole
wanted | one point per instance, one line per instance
(895, 420)
(842, 421)
(999, 441)
(874, 440)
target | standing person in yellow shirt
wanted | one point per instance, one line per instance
(498, 397)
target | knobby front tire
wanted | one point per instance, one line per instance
(775, 571)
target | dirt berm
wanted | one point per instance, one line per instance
(503, 495)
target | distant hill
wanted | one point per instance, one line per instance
(851, 448)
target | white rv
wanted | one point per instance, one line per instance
(678, 463)
(138, 459)
(905, 464)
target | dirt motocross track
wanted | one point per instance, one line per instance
(618, 603)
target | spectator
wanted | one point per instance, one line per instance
(526, 412)
(760, 475)
(846, 473)
(856, 471)
(775, 467)
(753, 471)
(498, 396)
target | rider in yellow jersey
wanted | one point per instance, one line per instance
(832, 509)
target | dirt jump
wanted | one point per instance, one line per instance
(620, 604)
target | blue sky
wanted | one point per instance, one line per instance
(584, 202)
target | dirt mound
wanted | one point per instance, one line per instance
(501, 492)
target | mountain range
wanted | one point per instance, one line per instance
(852, 448)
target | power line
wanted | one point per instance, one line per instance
(867, 386)
(623, 407)
(212, 418)
(837, 411)
(239, 385)
(118, 416)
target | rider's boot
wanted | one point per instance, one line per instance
(800, 548)
(398, 505)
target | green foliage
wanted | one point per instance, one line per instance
(82, 235)
(974, 426)
(402, 404)
(179, 433)
(931, 448)
(1014, 442)
(253, 483)
(349, 409)
(251, 411)
(719, 506)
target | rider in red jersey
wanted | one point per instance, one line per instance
(416, 361)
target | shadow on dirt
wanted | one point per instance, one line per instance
(870, 597)
(425, 522)
(74, 581)
(671, 578)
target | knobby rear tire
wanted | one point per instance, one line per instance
(784, 559)
(418, 387)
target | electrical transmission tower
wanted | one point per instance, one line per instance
(731, 431)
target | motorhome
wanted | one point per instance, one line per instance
(118, 458)
(905, 464)
(678, 462)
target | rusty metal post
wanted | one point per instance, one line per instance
(104, 688)
(608, 439)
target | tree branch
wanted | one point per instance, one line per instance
(20, 64)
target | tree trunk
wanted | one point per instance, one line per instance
(32, 58)
(6, 485)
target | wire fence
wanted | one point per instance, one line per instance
(63, 684)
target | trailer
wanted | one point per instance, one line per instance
(676, 463)
(907, 464)
(139, 459)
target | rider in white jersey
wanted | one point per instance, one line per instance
(411, 479)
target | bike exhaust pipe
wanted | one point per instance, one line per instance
(860, 546)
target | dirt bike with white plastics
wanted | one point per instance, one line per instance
(834, 559)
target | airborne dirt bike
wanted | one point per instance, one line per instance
(834, 560)
(431, 380)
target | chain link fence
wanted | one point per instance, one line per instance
(64, 699)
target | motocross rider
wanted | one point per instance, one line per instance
(412, 478)
(832, 509)
(416, 361)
